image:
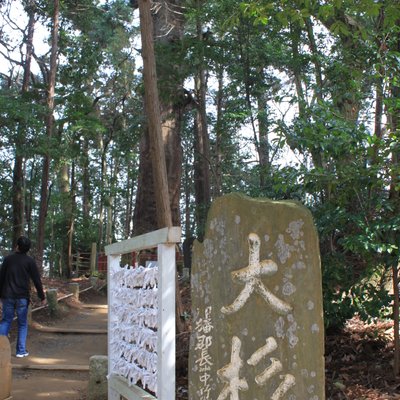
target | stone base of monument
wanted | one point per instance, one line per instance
(98, 386)
(5, 368)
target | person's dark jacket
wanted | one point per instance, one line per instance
(15, 275)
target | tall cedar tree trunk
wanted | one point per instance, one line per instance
(202, 144)
(168, 25)
(161, 141)
(152, 105)
(49, 131)
(18, 172)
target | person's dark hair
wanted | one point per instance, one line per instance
(24, 244)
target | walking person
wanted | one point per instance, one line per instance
(16, 272)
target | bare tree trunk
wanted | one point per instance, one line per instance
(49, 130)
(67, 220)
(315, 58)
(202, 146)
(18, 172)
(295, 35)
(103, 145)
(29, 199)
(263, 140)
(219, 135)
(129, 199)
(394, 197)
(396, 304)
(86, 198)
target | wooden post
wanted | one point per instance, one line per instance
(166, 322)
(51, 296)
(93, 258)
(113, 262)
(74, 289)
(78, 263)
(97, 387)
(29, 318)
(5, 368)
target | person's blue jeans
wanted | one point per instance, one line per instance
(20, 307)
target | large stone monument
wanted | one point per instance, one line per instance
(257, 330)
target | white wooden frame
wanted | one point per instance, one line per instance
(165, 240)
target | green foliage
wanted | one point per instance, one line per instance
(311, 71)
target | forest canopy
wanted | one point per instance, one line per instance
(281, 99)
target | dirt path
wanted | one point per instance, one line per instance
(57, 365)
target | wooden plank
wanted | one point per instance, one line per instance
(133, 392)
(54, 329)
(95, 306)
(146, 241)
(52, 367)
(166, 322)
(113, 262)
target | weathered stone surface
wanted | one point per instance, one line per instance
(97, 387)
(257, 304)
(5, 368)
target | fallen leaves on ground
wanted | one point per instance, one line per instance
(359, 362)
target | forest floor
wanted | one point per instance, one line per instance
(359, 358)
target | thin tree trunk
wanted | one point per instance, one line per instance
(396, 305)
(295, 34)
(219, 135)
(18, 172)
(394, 197)
(394, 121)
(49, 131)
(103, 145)
(188, 193)
(29, 199)
(263, 140)
(86, 198)
(66, 220)
(315, 59)
(202, 148)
